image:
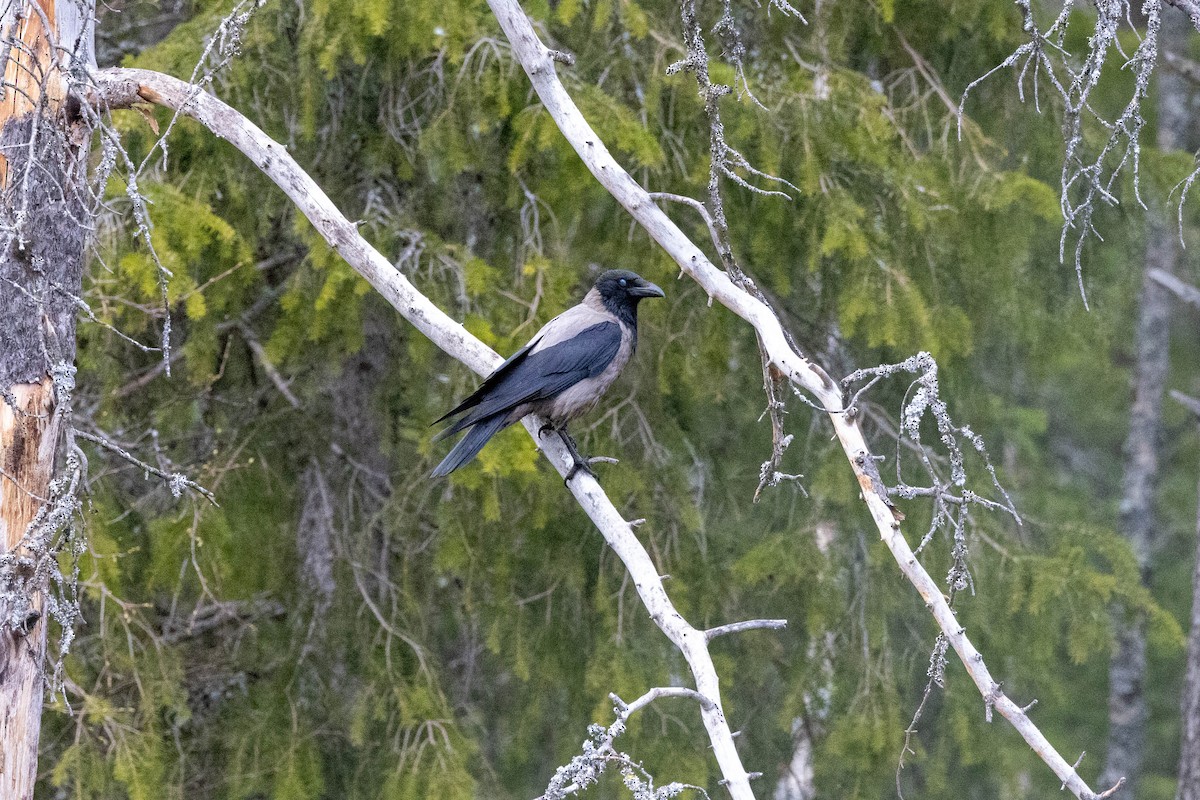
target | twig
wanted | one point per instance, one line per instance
(176, 481)
(748, 625)
(937, 676)
(1192, 404)
(1192, 9)
(261, 353)
(598, 753)
(627, 710)
(207, 618)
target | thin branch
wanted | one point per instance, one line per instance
(937, 676)
(1181, 289)
(1191, 8)
(1182, 65)
(260, 353)
(627, 710)
(698, 207)
(210, 617)
(1192, 404)
(748, 625)
(176, 481)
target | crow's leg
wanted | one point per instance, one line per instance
(580, 463)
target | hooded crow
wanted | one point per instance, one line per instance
(560, 374)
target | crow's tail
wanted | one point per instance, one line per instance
(470, 445)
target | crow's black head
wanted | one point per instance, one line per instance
(621, 290)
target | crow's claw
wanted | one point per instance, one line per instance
(577, 467)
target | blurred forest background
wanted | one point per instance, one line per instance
(343, 627)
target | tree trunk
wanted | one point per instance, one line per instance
(42, 239)
(1127, 670)
(796, 778)
(1189, 758)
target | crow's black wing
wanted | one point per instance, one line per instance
(543, 374)
(489, 383)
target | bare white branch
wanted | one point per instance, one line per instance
(795, 367)
(748, 625)
(117, 88)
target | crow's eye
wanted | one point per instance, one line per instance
(623, 282)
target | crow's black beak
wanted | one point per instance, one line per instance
(646, 290)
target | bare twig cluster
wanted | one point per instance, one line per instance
(219, 51)
(937, 676)
(923, 400)
(598, 754)
(53, 197)
(951, 511)
(725, 161)
(1089, 172)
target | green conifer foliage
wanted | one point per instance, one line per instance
(343, 627)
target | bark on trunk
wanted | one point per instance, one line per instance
(42, 237)
(26, 427)
(1189, 759)
(1127, 670)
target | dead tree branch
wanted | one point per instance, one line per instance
(176, 481)
(1181, 289)
(1089, 174)
(599, 753)
(748, 625)
(1191, 8)
(793, 365)
(120, 88)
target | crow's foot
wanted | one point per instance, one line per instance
(585, 465)
(579, 463)
(579, 466)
